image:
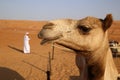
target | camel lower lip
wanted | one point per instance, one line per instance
(44, 41)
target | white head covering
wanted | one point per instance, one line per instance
(27, 33)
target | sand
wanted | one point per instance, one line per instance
(15, 65)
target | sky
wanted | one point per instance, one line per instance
(58, 9)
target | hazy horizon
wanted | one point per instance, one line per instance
(47, 10)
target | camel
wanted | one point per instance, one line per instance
(88, 38)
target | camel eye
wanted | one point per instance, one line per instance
(84, 29)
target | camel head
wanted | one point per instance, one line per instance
(86, 34)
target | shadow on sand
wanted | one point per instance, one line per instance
(19, 50)
(8, 74)
(48, 73)
(34, 66)
(37, 54)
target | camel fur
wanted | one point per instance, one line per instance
(88, 38)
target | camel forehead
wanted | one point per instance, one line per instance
(90, 21)
(63, 21)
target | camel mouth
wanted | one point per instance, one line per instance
(63, 46)
(45, 41)
(50, 39)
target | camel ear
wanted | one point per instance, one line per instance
(107, 22)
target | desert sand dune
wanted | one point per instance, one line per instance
(34, 66)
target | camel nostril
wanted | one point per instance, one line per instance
(48, 26)
(39, 35)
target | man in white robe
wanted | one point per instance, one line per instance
(26, 43)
